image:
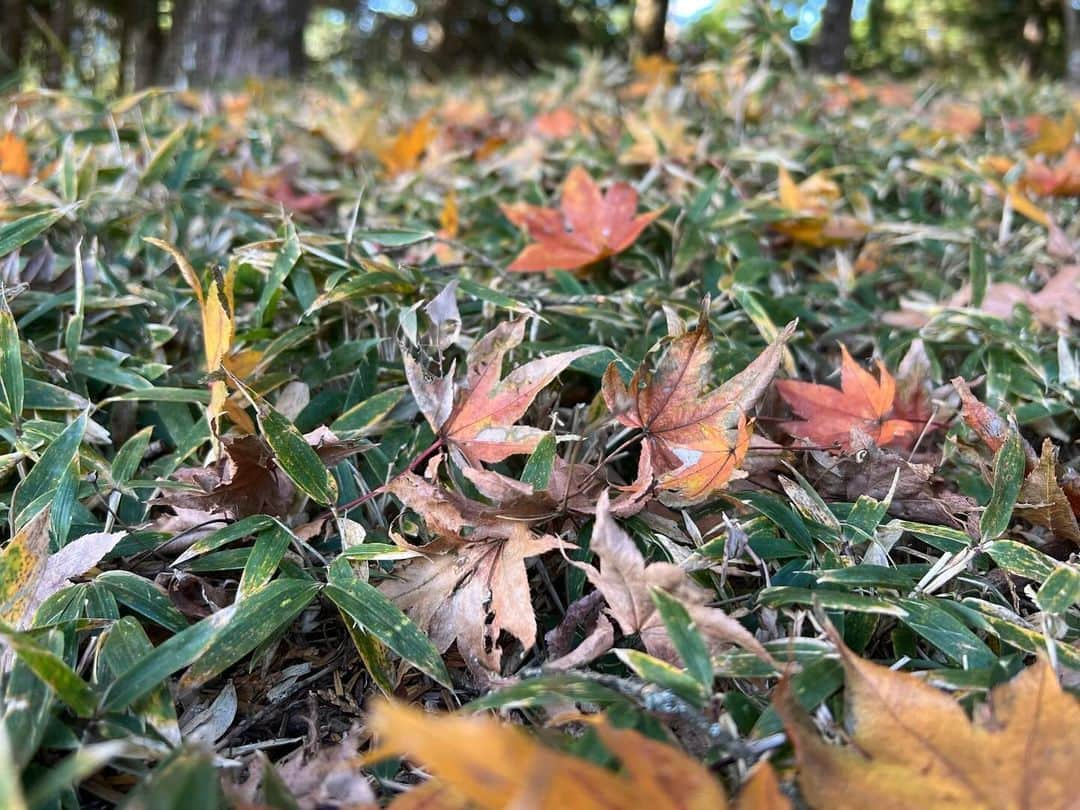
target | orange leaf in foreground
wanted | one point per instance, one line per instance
(589, 226)
(14, 156)
(694, 440)
(476, 418)
(482, 763)
(862, 404)
(913, 745)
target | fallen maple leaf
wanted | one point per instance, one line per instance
(482, 763)
(811, 204)
(14, 156)
(658, 135)
(1047, 135)
(556, 124)
(588, 227)
(476, 418)
(694, 441)
(626, 582)
(862, 405)
(404, 151)
(914, 746)
(470, 585)
(651, 72)
(1061, 179)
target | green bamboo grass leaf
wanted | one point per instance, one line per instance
(143, 597)
(293, 454)
(189, 778)
(267, 553)
(366, 415)
(72, 770)
(366, 606)
(43, 396)
(684, 636)
(1009, 464)
(41, 484)
(121, 648)
(12, 386)
(11, 792)
(228, 534)
(538, 468)
(942, 629)
(279, 271)
(159, 161)
(1022, 560)
(152, 669)
(16, 234)
(51, 668)
(28, 704)
(392, 237)
(255, 620)
(660, 672)
(1061, 590)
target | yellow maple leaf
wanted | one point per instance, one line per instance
(913, 745)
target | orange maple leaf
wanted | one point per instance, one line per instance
(14, 156)
(862, 404)
(587, 227)
(1062, 179)
(404, 151)
(476, 418)
(694, 441)
(812, 203)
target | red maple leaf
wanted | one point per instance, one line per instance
(588, 226)
(862, 404)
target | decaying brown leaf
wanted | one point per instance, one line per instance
(912, 745)
(470, 584)
(694, 441)
(625, 580)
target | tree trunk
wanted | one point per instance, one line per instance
(1072, 44)
(60, 21)
(650, 19)
(830, 53)
(14, 31)
(215, 41)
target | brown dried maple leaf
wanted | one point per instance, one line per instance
(694, 441)
(625, 581)
(862, 404)
(587, 227)
(913, 745)
(476, 418)
(470, 585)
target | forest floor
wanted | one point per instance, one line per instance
(667, 433)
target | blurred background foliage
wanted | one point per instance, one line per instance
(123, 45)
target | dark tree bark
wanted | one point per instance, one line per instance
(141, 44)
(60, 21)
(830, 53)
(214, 41)
(14, 30)
(1072, 43)
(650, 19)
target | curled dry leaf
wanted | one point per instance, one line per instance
(588, 226)
(912, 745)
(862, 405)
(625, 580)
(694, 441)
(476, 418)
(1042, 500)
(470, 585)
(482, 763)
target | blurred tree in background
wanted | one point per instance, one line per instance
(116, 45)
